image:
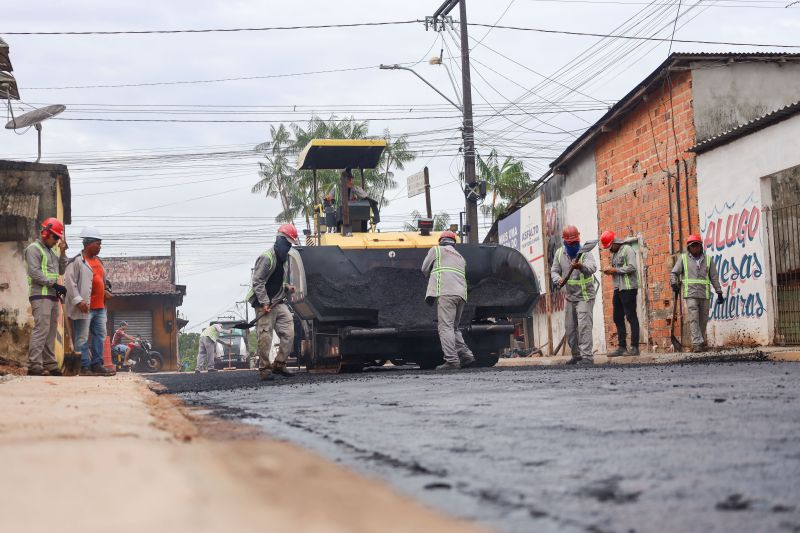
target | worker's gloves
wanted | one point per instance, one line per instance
(720, 298)
(430, 300)
(60, 289)
(676, 288)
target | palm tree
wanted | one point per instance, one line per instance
(507, 181)
(295, 189)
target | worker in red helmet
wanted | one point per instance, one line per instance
(268, 293)
(45, 260)
(626, 287)
(447, 286)
(579, 293)
(697, 273)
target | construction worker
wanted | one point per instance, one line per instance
(44, 265)
(579, 292)
(626, 286)
(698, 273)
(207, 350)
(87, 290)
(268, 293)
(447, 286)
(353, 193)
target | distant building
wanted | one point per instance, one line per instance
(147, 298)
(29, 193)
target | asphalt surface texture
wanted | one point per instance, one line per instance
(689, 447)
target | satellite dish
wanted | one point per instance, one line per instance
(35, 118)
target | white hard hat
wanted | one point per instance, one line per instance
(91, 233)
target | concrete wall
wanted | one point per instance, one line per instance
(734, 196)
(729, 94)
(51, 184)
(571, 198)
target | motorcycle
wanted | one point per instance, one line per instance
(141, 359)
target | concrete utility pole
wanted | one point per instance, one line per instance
(468, 131)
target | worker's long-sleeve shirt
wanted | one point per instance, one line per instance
(697, 275)
(265, 267)
(580, 285)
(625, 263)
(447, 269)
(44, 267)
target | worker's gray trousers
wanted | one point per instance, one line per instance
(578, 318)
(697, 315)
(206, 352)
(279, 319)
(449, 310)
(41, 350)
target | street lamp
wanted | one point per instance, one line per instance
(426, 82)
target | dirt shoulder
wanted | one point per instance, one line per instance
(107, 454)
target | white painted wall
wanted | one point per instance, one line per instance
(14, 298)
(729, 181)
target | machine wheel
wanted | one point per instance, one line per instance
(485, 360)
(153, 362)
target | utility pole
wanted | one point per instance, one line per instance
(468, 131)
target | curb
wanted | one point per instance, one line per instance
(664, 358)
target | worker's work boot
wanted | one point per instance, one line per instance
(266, 374)
(574, 360)
(35, 371)
(633, 350)
(100, 370)
(449, 366)
(86, 371)
(212, 369)
(697, 348)
(467, 362)
(618, 352)
(281, 370)
(55, 372)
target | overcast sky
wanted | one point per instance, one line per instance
(144, 183)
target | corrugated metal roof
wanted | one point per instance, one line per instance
(627, 102)
(19, 205)
(747, 128)
(139, 276)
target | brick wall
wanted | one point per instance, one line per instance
(633, 163)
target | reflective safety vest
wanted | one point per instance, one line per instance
(694, 281)
(583, 281)
(45, 270)
(438, 270)
(626, 278)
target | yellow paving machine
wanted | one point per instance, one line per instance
(361, 294)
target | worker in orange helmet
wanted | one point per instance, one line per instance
(268, 293)
(447, 286)
(698, 274)
(579, 292)
(626, 287)
(45, 262)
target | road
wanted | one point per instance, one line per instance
(693, 447)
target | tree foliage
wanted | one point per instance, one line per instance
(279, 179)
(188, 344)
(506, 180)
(441, 221)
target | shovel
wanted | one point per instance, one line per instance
(676, 344)
(248, 325)
(587, 247)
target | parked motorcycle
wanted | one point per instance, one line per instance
(142, 358)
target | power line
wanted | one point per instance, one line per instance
(216, 30)
(631, 37)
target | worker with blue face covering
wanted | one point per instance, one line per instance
(579, 293)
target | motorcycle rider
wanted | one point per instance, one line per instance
(44, 265)
(268, 293)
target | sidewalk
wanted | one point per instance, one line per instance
(761, 353)
(90, 455)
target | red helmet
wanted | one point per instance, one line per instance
(447, 235)
(607, 238)
(571, 234)
(54, 226)
(694, 238)
(288, 231)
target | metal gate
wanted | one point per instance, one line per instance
(786, 237)
(140, 323)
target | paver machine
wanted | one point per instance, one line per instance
(361, 293)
